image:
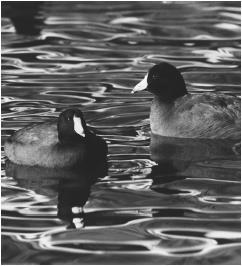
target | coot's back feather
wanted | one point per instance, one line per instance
(197, 116)
(38, 134)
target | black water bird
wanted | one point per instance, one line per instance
(177, 113)
(67, 142)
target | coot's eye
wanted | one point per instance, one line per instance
(155, 76)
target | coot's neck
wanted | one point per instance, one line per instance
(73, 138)
(166, 100)
(161, 106)
(70, 140)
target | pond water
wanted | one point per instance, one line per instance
(90, 55)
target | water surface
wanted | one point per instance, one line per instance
(89, 56)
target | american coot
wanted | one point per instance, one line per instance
(176, 113)
(67, 143)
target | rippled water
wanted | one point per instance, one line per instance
(90, 55)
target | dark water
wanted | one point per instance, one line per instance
(90, 55)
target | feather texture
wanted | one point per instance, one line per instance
(197, 116)
(39, 145)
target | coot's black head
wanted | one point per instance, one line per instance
(164, 81)
(71, 126)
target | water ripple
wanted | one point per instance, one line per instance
(140, 213)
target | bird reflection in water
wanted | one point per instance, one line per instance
(71, 185)
(178, 158)
(25, 16)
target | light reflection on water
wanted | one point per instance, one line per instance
(69, 55)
